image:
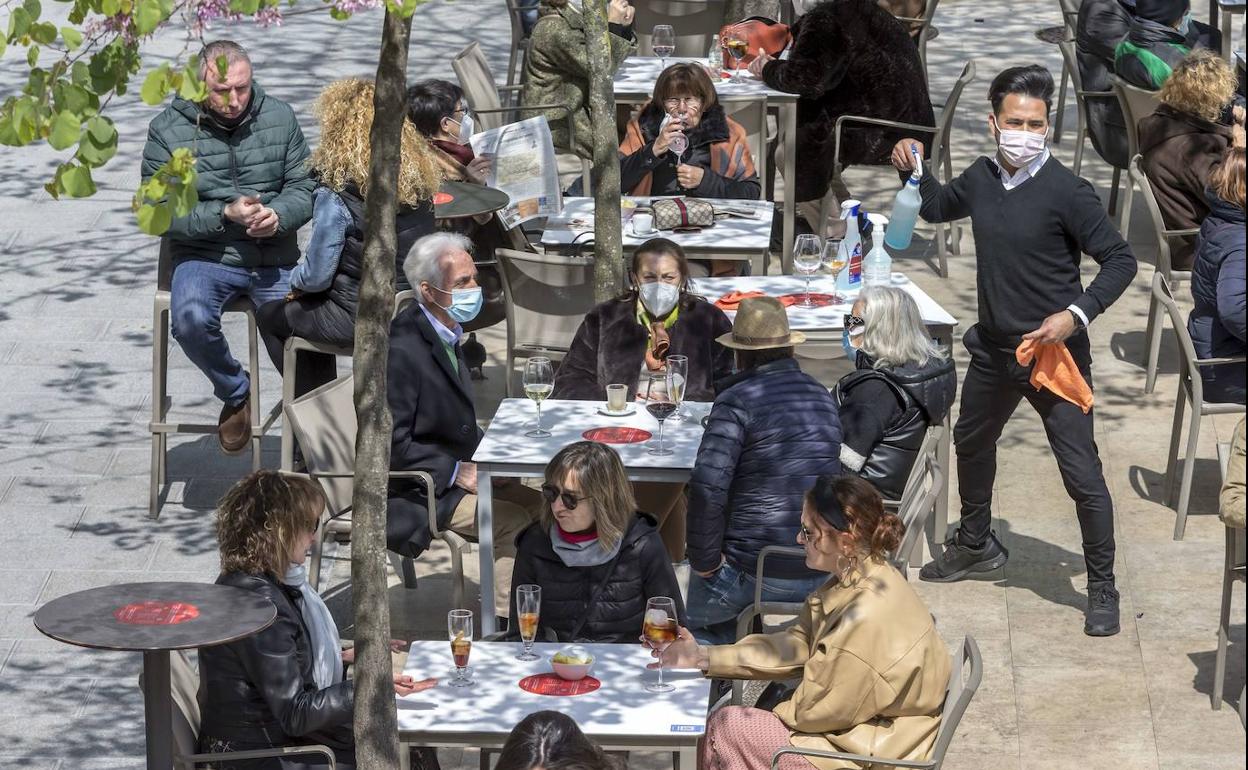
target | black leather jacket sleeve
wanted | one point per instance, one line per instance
(271, 661)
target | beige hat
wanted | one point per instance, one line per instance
(761, 323)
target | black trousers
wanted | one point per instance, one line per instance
(313, 317)
(994, 385)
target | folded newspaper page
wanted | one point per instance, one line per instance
(523, 167)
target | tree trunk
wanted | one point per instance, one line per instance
(608, 261)
(736, 10)
(376, 723)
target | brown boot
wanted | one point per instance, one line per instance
(234, 427)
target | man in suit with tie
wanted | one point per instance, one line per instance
(435, 421)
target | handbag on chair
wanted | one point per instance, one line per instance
(758, 32)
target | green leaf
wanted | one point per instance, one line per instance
(72, 37)
(147, 16)
(43, 33)
(4, 43)
(33, 8)
(184, 195)
(192, 88)
(102, 130)
(155, 220)
(156, 85)
(245, 7)
(110, 7)
(74, 98)
(25, 120)
(32, 55)
(65, 130)
(77, 182)
(19, 23)
(8, 132)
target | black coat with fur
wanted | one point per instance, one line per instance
(712, 129)
(849, 57)
(610, 347)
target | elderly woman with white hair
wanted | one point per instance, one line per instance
(429, 392)
(901, 384)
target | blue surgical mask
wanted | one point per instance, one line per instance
(465, 304)
(851, 352)
(1185, 26)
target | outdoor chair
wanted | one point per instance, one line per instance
(160, 426)
(1156, 321)
(184, 683)
(324, 423)
(1232, 570)
(1191, 390)
(916, 510)
(964, 679)
(1082, 97)
(1136, 104)
(783, 614)
(696, 23)
(752, 116)
(519, 41)
(484, 95)
(926, 32)
(940, 161)
(547, 296)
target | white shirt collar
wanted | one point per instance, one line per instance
(448, 335)
(1023, 174)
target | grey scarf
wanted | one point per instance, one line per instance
(587, 554)
(326, 652)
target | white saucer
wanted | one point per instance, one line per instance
(630, 409)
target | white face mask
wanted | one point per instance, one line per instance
(1019, 148)
(659, 298)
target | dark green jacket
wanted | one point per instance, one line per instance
(265, 155)
(1149, 53)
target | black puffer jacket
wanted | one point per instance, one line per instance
(642, 571)
(259, 692)
(772, 431)
(1102, 26)
(885, 414)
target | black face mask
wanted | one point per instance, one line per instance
(228, 124)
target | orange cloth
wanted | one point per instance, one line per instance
(1055, 369)
(731, 302)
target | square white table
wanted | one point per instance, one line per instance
(634, 83)
(825, 324)
(620, 716)
(1227, 9)
(506, 451)
(733, 237)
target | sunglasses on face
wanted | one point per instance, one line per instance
(551, 492)
(852, 321)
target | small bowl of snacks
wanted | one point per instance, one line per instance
(572, 663)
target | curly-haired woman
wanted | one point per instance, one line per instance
(285, 685)
(325, 286)
(872, 667)
(1185, 138)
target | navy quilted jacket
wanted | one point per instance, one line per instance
(266, 155)
(771, 432)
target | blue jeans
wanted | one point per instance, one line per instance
(715, 602)
(528, 16)
(198, 293)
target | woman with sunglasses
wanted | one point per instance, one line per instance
(716, 163)
(596, 558)
(872, 667)
(901, 384)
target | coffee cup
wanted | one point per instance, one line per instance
(617, 398)
(643, 223)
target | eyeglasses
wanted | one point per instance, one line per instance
(807, 534)
(692, 102)
(569, 500)
(852, 321)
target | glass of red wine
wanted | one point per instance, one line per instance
(660, 406)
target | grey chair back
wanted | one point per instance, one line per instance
(926, 32)
(184, 681)
(1164, 234)
(964, 678)
(519, 40)
(696, 23)
(943, 146)
(324, 424)
(918, 502)
(1136, 103)
(479, 86)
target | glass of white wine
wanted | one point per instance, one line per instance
(806, 260)
(677, 376)
(539, 381)
(834, 260)
(663, 41)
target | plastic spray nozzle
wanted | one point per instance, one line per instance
(918, 161)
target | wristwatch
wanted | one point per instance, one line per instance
(1078, 320)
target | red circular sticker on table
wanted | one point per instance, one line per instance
(798, 298)
(551, 684)
(617, 435)
(440, 198)
(156, 613)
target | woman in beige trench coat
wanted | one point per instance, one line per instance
(873, 668)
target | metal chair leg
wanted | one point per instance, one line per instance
(1189, 469)
(1172, 458)
(457, 577)
(1113, 191)
(1061, 106)
(1224, 621)
(1156, 322)
(942, 256)
(253, 394)
(290, 358)
(1125, 228)
(160, 373)
(1081, 135)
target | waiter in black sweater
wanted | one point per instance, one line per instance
(1032, 219)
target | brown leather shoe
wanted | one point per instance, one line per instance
(234, 427)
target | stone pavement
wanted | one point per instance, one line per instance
(75, 337)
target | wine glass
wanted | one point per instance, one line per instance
(539, 381)
(659, 629)
(663, 41)
(529, 608)
(659, 405)
(807, 260)
(677, 376)
(459, 628)
(737, 45)
(834, 260)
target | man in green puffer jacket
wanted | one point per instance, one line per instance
(240, 239)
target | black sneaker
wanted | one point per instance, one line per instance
(1102, 617)
(959, 560)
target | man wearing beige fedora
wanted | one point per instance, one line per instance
(772, 431)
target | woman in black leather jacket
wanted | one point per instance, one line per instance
(286, 685)
(595, 557)
(902, 384)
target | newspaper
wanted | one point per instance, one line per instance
(523, 167)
